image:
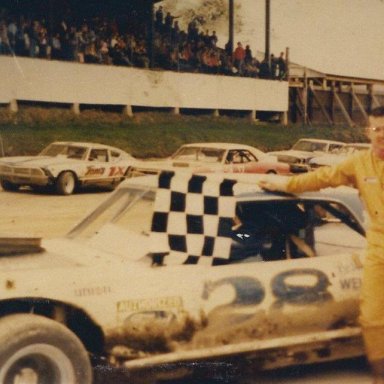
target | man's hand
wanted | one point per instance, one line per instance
(273, 186)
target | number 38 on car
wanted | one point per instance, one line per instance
(179, 270)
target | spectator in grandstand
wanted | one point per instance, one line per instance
(4, 42)
(213, 39)
(175, 33)
(238, 58)
(274, 67)
(12, 32)
(282, 67)
(264, 71)
(44, 49)
(56, 53)
(32, 32)
(159, 17)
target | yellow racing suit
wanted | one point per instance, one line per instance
(365, 172)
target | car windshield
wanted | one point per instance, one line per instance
(129, 209)
(205, 155)
(309, 146)
(64, 150)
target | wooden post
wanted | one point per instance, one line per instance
(76, 108)
(176, 111)
(284, 118)
(13, 107)
(252, 115)
(305, 98)
(128, 110)
(216, 113)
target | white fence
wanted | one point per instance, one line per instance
(66, 82)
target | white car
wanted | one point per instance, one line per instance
(215, 157)
(304, 150)
(338, 156)
(277, 284)
(66, 166)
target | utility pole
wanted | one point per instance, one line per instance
(267, 30)
(231, 25)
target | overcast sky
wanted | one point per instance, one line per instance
(343, 37)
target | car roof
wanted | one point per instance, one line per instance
(322, 140)
(86, 144)
(220, 145)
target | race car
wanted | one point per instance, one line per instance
(214, 158)
(66, 166)
(304, 150)
(174, 273)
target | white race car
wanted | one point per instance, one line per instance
(249, 276)
(304, 150)
(66, 166)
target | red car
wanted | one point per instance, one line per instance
(215, 157)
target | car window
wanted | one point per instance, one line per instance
(239, 156)
(98, 155)
(115, 156)
(309, 146)
(287, 230)
(75, 152)
(335, 148)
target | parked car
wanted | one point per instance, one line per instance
(338, 156)
(304, 150)
(215, 157)
(286, 290)
(66, 166)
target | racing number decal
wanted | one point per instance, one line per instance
(250, 291)
(300, 294)
(116, 171)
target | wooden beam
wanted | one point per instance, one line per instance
(301, 107)
(359, 104)
(322, 108)
(343, 110)
(376, 101)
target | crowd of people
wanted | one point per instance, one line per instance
(102, 40)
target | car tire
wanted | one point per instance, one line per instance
(8, 186)
(66, 183)
(40, 350)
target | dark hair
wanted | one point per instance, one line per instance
(377, 112)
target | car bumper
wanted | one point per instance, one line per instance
(42, 180)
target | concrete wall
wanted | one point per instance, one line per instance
(65, 82)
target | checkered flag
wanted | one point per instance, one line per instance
(192, 220)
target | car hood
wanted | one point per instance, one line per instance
(295, 153)
(35, 161)
(169, 163)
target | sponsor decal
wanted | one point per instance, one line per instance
(92, 171)
(151, 304)
(93, 291)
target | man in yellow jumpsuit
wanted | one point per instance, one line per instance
(364, 171)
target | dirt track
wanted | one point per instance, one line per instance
(44, 215)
